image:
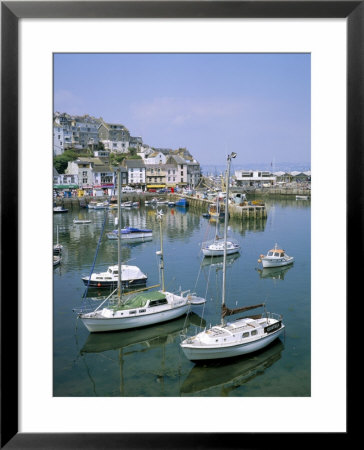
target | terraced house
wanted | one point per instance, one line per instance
(136, 172)
(115, 137)
(155, 176)
(176, 171)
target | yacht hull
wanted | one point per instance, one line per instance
(203, 353)
(101, 324)
(219, 252)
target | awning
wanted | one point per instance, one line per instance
(65, 186)
(154, 186)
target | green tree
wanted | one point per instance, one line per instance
(60, 162)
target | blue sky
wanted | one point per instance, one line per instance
(257, 105)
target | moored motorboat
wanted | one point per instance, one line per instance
(182, 202)
(302, 197)
(59, 209)
(56, 260)
(131, 276)
(276, 257)
(81, 221)
(131, 233)
(98, 205)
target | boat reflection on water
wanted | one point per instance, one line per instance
(152, 336)
(217, 261)
(276, 273)
(223, 377)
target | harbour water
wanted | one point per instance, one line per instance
(148, 362)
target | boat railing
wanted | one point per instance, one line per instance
(273, 316)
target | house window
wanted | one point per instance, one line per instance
(84, 180)
(84, 174)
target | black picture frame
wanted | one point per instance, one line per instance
(11, 12)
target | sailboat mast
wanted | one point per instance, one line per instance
(232, 155)
(161, 252)
(119, 233)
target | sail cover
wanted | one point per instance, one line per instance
(229, 312)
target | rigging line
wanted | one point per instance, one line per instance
(97, 249)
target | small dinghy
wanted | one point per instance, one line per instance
(81, 221)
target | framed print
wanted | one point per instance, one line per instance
(315, 52)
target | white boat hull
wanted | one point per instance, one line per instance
(208, 251)
(279, 262)
(95, 325)
(201, 353)
(131, 236)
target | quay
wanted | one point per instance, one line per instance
(195, 202)
(247, 210)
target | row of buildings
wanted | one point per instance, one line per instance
(260, 178)
(96, 173)
(155, 168)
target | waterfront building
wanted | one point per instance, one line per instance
(136, 172)
(84, 168)
(155, 176)
(180, 171)
(193, 173)
(256, 178)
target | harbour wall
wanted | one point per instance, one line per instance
(195, 203)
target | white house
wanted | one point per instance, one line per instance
(136, 172)
(176, 170)
(254, 178)
(155, 158)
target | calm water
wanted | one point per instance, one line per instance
(148, 362)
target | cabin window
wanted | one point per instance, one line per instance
(254, 332)
(246, 334)
(276, 254)
(282, 254)
(108, 278)
(115, 272)
(142, 310)
(270, 253)
(132, 312)
(158, 302)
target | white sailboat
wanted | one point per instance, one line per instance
(242, 336)
(216, 246)
(139, 309)
(57, 248)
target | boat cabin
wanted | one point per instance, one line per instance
(276, 253)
